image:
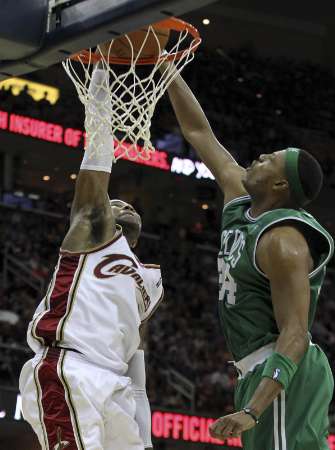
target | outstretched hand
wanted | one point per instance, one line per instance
(231, 425)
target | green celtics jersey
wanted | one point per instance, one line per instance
(245, 306)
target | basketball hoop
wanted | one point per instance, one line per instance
(131, 97)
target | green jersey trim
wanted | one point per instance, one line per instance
(254, 219)
(283, 219)
(235, 200)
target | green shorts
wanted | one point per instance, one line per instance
(298, 418)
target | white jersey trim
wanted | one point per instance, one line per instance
(47, 306)
(155, 307)
(279, 428)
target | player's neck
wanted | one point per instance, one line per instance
(260, 206)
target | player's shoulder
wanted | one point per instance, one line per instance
(235, 201)
(233, 210)
(283, 242)
(282, 252)
(151, 272)
(75, 245)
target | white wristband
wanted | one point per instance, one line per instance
(99, 153)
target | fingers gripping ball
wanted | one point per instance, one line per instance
(146, 43)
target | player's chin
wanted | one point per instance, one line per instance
(245, 181)
(130, 226)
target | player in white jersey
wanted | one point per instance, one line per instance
(85, 388)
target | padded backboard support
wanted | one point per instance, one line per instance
(76, 25)
(22, 27)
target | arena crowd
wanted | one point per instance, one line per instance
(184, 329)
(254, 105)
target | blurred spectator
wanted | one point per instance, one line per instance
(254, 105)
(185, 328)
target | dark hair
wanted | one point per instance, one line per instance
(310, 174)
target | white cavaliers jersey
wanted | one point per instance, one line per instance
(95, 304)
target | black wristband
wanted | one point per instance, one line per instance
(248, 411)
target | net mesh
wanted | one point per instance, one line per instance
(129, 97)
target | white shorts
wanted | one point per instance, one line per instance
(70, 401)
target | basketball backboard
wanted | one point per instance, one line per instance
(39, 33)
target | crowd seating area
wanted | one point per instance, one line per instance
(255, 105)
(185, 328)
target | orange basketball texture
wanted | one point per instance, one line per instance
(121, 47)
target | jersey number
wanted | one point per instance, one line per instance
(226, 282)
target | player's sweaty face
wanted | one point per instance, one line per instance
(122, 209)
(125, 215)
(265, 167)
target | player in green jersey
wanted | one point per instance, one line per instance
(271, 267)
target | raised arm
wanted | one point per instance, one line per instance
(198, 132)
(91, 220)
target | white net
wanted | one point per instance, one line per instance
(129, 97)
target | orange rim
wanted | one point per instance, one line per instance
(87, 57)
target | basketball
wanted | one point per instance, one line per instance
(153, 42)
